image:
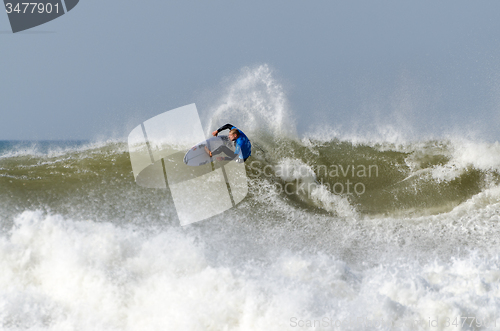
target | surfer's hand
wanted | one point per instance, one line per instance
(215, 133)
(208, 151)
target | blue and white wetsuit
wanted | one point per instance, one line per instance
(243, 147)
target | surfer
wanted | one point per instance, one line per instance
(242, 144)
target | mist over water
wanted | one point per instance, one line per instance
(83, 247)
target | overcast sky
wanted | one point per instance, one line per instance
(106, 66)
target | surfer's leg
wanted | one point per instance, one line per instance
(226, 150)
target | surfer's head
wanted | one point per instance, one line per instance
(234, 134)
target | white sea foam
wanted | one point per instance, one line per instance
(298, 268)
(59, 274)
(307, 186)
(58, 149)
(254, 102)
(465, 154)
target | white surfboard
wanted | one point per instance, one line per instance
(198, 155)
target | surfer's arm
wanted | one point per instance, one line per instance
(222, 128)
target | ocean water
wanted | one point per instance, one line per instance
(338, 232)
